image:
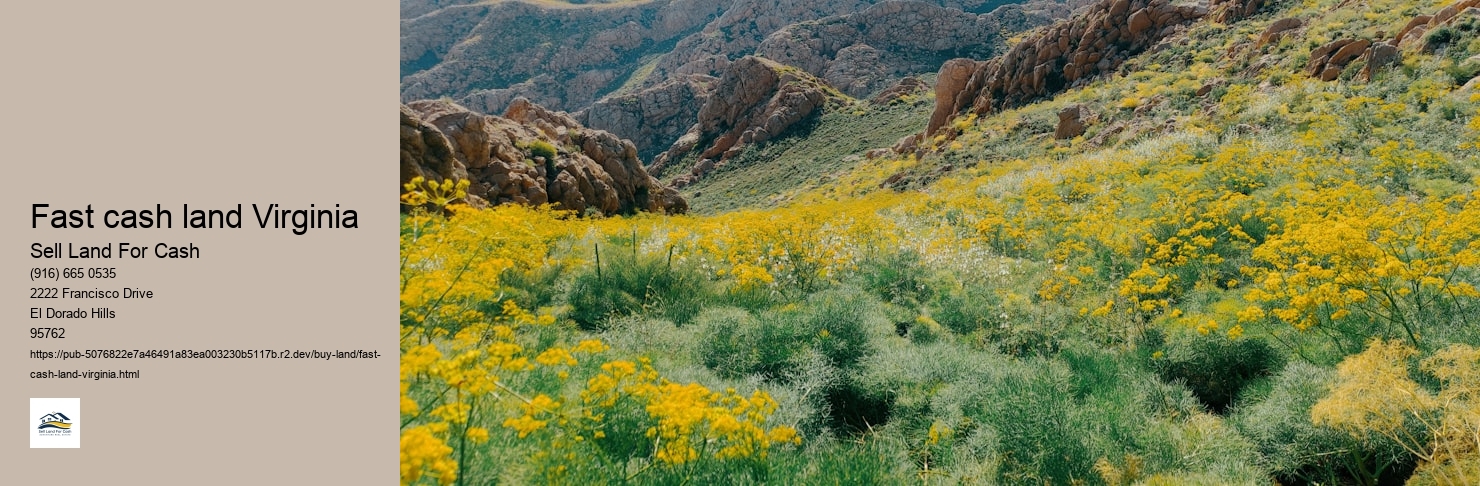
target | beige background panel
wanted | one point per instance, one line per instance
(126, 105)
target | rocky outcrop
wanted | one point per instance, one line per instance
(861, 53)
(1412, 34)
(530, 155)
(1066, 54)
(949, 85)
(1379, 56)
(909, 86)
(1327, 61)
(567, 56)
(1228, 11)
(486, 54)
(1071, 122)
(1277, 30)
(425, 151)
(756, 100)
(651, 118)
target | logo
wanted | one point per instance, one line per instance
(55, 420)
(56, 423)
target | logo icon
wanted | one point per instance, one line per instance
(55, 420)
(56, 423)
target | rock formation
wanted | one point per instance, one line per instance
(1277, 30)
(949, 83)
(1228, 11)
(1412, 34)
(1380, 55)
(530, 155)
(646, 56)
(651, 118)
(863, 52)
(484, 55)
(1071, 122)
(1327, 61)
(909, 86)
(756, 100)
(1065, 54)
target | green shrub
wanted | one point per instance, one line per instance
(966, 310)
(1295, 450)
(541, 148)
(842, 323)
(803, 393)
(625, 284)
(834, 462)
(809, 348)
(1438, 38)
(734, 343)
(1215, 367)
(535, 288)
(898, 278)
(1026, 339)
(1032, 410)
(1022, 414)
(925, 331)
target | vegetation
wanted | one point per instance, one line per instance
(1279, 285)
(813, 155)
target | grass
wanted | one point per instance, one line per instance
(812, 156)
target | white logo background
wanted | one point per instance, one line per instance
(40, 407)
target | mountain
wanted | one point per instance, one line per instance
(641, 69)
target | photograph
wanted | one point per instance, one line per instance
(932, 242)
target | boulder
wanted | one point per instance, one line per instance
(1379, 56)
(949, 84)
(1071, 122)
(1276, 30)
(1327, 61)
(1229, 11)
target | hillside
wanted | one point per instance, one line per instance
(1153, 242)
(639, 69)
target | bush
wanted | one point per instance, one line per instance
(626, 285)
(541, 148)
(535, 288)
(1021, 414)
(1039, 437)
(966, 310)
(735, 344)
(1438, 38)
(1028, 339)
(839, 325)
(1295, 450)
(842, 324)
(870, 461)
(1217, 368)
(897, 278)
